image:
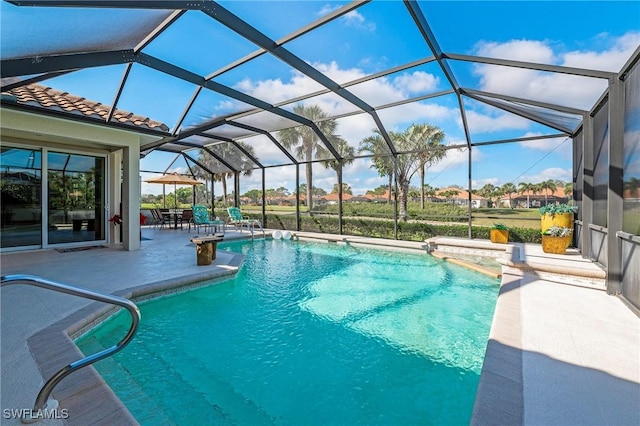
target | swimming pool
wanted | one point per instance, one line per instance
(308, 333)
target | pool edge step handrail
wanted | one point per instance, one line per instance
(43, 396)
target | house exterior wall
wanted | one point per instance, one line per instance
(21, 128)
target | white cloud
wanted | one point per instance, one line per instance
(416, 82)
(555, 173)
(494, 122)
(563, 89)
(561, 146)
(479, 183)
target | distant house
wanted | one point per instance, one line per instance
(333, 198)
(531, 199)
(462, 198)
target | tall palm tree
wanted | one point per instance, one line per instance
(415, 140)
(547, 185)
(487, 191)
(230, 154)
(305, 142)
(346, 151)
(508, 188)
(526, 188)
(430, 137)
(381, 160)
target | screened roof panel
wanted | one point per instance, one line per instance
(574, 91)
(266, 151)
(485, 121)
(327, 102)
(304, 144)
(363, 30)
(441, 111)
(268, 78)
(230, 153)
(281, 18)
(165, 96)
(266, 120)
(402, 85)
(353, 129)
(182, 44)
(230, 132)
(562, 120)
(210, 106)
(93, 29)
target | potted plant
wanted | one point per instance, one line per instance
(556, 239)
(499, 233)
(557, 215)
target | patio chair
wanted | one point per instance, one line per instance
(239, 221)
(160, 219)
(186, 217)
(201, 218)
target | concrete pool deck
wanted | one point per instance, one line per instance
(558, 353)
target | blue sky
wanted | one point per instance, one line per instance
(376, 37)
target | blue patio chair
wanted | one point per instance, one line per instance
(201, 218)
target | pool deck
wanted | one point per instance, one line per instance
(561, 351)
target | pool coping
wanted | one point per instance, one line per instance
(54, 346)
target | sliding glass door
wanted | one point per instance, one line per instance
(76, 198)
(21, 197)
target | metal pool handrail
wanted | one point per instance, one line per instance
(45, 392)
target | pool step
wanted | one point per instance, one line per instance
(124, 380)
(238, 409)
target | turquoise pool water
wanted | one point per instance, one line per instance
(308, 334)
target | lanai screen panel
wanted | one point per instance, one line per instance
(409, 83)
(199, 44)
(93, 30)
(631, 156)
(601, 165)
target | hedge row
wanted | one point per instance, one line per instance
(432, 211)
(408, 231)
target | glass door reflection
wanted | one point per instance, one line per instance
(21, 197)
(76, 198)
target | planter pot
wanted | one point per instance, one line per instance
(555, 245)
(563, 220)
(499, 236)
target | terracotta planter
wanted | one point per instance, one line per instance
(555, 245)
(563, 220)
(500, 236)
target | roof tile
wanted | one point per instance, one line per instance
(47, 97)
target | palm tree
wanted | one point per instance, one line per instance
(415, 140)
(381, 160)
(487, 191)
(550, 185)
(230, 154)
(431, 137)
(526, 188)
(508, 188)
(450, 194)
(568, 190)
(305, 142)
(343, 149)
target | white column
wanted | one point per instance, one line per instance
(131, 198)
(114, 196)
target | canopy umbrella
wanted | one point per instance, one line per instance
(176, 180)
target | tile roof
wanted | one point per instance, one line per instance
(46, 97)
